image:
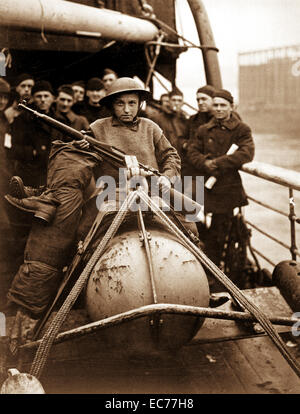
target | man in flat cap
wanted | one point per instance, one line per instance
(204, 97)
(64, 113)
(208, 153)
(91, 108)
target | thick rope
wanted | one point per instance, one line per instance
(230, 286)
(51, 333)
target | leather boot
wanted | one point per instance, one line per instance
(43, 207)
(17, 189)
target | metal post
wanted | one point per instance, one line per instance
(210, 56)
(292, 218)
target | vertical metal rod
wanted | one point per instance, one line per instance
(292, 218)
(148, 253)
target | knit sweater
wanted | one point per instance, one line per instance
(142, 138)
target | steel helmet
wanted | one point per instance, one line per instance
(123, 85)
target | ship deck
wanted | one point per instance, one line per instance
(225, 357)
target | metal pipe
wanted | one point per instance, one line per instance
(269, 236)
(210, 56)
(70, 18)
(146, 244)
(292, 218)
(264, 257)
(278, 175)
(261, 203)
(161, 308)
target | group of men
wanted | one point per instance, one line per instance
(203, 141)
(170, 142)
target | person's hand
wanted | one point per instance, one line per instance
(184, 146)
(81, 144)
(165, 183)
(137, 171)
(211, 167)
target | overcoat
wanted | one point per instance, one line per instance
(31, 143)
(211, 142)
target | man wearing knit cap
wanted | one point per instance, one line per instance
(22, 90)
(92, 109)
(24, 84)
(31, 139)
(208, 153)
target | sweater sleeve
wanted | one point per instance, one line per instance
(167, 157)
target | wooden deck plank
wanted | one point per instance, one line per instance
(277, 376)
(241, 368)
(224, 379)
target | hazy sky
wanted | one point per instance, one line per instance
(238, 26)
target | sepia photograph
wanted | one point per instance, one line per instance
(149, 200)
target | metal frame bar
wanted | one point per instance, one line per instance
(285, 178)
(159, 309)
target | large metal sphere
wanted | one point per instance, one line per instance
(120, 282)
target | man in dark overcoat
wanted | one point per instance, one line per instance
(31, 138)
(208, 154)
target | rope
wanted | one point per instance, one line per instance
(153, 63)
(231, 287)
(51, 333)
(160, 23)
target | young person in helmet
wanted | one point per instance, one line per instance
(71, 170)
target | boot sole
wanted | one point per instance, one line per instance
(18, 205)
(17, 188)
(38, 214)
